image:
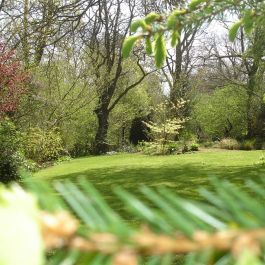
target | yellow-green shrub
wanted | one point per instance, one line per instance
(43, 146)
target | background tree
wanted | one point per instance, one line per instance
(181, 60)
(12, 86)
(103, 38)
(36, 27)
(154, 26)
(241, 63)
(164, 128)
(220, 114)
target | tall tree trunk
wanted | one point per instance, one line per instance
(25, 43)
(251, 86)
(175, 90)
(250, 132)
(255, 80)
(100, 143)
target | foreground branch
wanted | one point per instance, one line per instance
(60, 230)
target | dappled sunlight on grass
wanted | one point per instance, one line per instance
(182, 173)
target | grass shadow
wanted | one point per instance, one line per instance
(184, 180)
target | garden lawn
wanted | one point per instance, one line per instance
(182, 173)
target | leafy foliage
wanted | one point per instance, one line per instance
(136, 103)
(9, 146)
(222, 113)
(195, 12)
(234, 29)
(12, 81)
(171, 147)
(249, 144)
(128, 45)
(160, 51)
(194, 147)
(164, 129)
(228, 227)
(43, 146)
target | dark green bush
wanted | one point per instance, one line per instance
(259, 144)
(194, 147)
(9, 146)
(43, 146)
(248, 144)
(207, 144)
(185, 148)
(173, 147)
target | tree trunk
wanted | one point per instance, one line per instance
(100, 143)
(256, 80)
(123, 138)
(250, 92)
(250, 132)
(228, 128)
(175, 89)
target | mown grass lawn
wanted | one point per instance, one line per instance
(182, 173)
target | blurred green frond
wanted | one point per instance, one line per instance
(227, 226)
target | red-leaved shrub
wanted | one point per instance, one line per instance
(12, 80)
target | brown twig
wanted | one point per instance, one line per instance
(60, 230)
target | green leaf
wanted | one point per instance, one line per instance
(252, 206)
(150, 18)
(148, 46)
(209, 9)
(234, 29)
(88, 205)
(194, 4)
(248, 21)
(40, 189)
(177, 203)
(116, 223)
(233, 205)
(173, 18)
(199, 213)
(76, 206)
(173, 217)
(171, 21)
(128, 45)
(140, 23)
(143, 211)
(160, 51)
(174, 38)
(179, 12)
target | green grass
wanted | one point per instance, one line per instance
(182, 173)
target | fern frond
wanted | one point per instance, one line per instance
(227, 226)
